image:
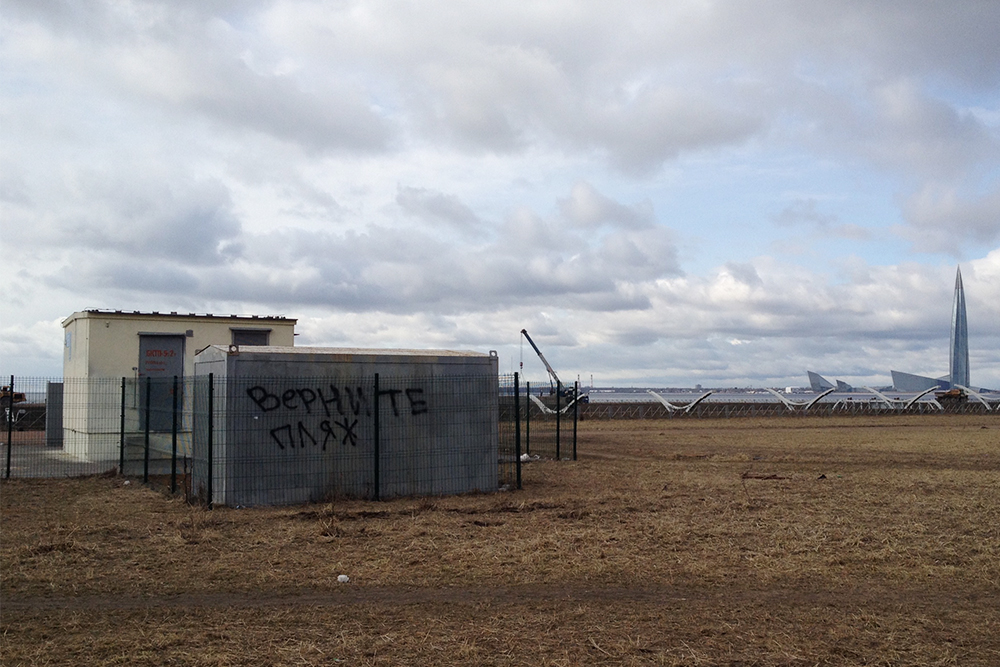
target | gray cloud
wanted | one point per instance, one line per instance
(144, 218)
(913, 130)
(941, 218)
(804, 212)
(682, 79)
(744, 273)
(664, 123)
(124, 275)
(159, 245)
(588, 208)
(437, 207)
(188, 60)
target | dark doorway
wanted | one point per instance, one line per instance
(161, 357)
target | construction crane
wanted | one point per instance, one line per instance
(566, 391)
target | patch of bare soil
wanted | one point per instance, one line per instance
(742, 542)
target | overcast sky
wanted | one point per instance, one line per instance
(661, 193)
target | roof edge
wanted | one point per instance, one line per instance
(174, 315)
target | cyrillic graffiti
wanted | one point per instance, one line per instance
(287, 437)
(342, 406)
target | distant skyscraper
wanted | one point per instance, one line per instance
(959, 350)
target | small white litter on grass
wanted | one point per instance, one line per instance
(343, 579)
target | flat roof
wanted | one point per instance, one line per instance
(273, 350)
(174, 315)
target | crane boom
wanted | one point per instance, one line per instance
(548, 367)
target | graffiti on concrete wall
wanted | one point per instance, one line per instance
(317, 416)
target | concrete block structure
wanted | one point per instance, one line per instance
(302, 424)
(103, 346)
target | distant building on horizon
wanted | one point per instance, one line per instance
(958, 352)
(958, 357)
(818, 383)
(958, 366)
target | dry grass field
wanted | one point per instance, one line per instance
(812, 541)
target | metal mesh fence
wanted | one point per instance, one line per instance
(44, 421)
(287, 440)
(284, 440)
(761, 409)
(550, 422)
(510, 433)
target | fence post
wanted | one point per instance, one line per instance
(10, 424)
(527, 418)
(121, 434)
(576, 412)
(173, 444)
(517, 427)
(211, 420)
(558, 415)
(375, 491)
(145, 452)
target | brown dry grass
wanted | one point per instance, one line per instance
(744, 542)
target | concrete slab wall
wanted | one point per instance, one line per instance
(298, 424)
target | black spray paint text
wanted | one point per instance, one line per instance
(347, 403)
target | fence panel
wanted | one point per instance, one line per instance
(257, 440)
(510, 432)
(551, 423)
(286, 440)
(84, 440)
(156, 438)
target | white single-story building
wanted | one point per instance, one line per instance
(102, 348)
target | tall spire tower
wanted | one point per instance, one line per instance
(959, 350)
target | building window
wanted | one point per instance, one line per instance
(243, 337)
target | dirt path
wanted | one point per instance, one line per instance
(854, 596)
